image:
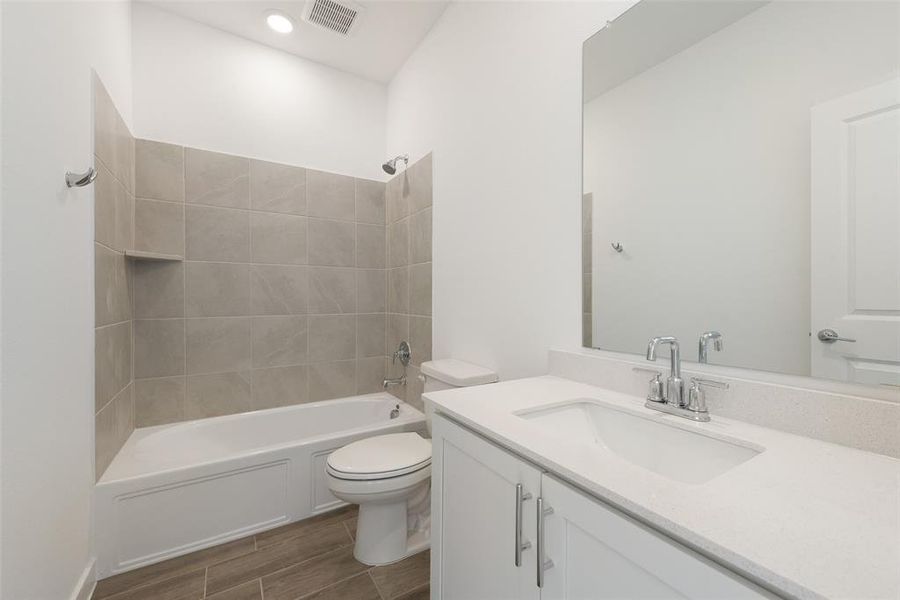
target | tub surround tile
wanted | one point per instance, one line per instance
(398, 290)
(278, 239)
(328, 380)
(158, 289)
(397, 197)
(112, 287)
(371, 290)
(216, 179)
(332, 243)
(279, 386)
(370, 373)
(278, 290)
(331, 196)
(398, 331)
(216, 395)
(112, 371)
(158, 401)
(419, 190)
(371, 332)
(279, 341)
(159, 226)
(105, 439)
(217, 289)
(277, 188)
(420, 289)
(216, 234)
(159, 171)
(420, 339)
(105, 189)
(370, 246)
(370, 202)
(332, 337)
(215, 345)
(332, 291)
(399, 243)
(158, 347)
(275, 557)
(105, 125)
(415, 388)
(420, 237)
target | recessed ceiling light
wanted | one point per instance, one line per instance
(278, 21)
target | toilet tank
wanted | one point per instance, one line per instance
(449, 373)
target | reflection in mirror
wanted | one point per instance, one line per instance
(742, 179)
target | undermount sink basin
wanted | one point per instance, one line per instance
(666, 449)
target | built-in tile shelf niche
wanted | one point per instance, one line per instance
(152, 256)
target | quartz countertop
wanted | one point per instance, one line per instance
(804, 518)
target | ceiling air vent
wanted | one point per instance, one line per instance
(339, 17)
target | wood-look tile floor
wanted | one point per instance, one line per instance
(311, 559)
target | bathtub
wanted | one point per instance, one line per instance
(174, 489)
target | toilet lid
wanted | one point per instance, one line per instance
(381, 456)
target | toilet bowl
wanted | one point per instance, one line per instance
(389, 476)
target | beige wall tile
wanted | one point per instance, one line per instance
(332, 243)
(158, 401)
(398, 331)
(332, 380)
(420, 184)
(158, 289)
(217, 234)
(214, 345)
(124, 161)
(398, 290)
(218, 394)
(587, 213)
(105, 206)
(159, 226)
(278, 290)
(279, 239)
(370, 246)
(398, 243)
(124, 414)
(159, 171)
(414, 388)
(396, 197)
(280, 386)
(586, 293)
(217, 289)
(420, 339)
(420, 237)
(158, 347)
(586, 253)
(216, 179)
(112, 287)
(279, 341)
(277, 188)
(370, 373)
(330, 196)
(332, 290)
(124, 219)
(371, 332)
(371, 290)
(370, 206)
(112, 361)
(332, 337)
(420, 289)
(105, 438)
(105, 123)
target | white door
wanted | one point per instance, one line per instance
(599, 554)
(856, 236)
(473, 544)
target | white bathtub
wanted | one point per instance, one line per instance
(174, 489)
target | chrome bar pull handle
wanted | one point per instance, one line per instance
(542, 564)
(830, 336)
(521, 496)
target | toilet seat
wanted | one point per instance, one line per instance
(380, 457)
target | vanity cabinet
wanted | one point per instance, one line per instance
(590, 550)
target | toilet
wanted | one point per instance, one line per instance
(389, 476)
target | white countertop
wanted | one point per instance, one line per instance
(808, 519)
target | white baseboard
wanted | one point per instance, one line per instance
(86, 583)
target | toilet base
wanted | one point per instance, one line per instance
(381, 535)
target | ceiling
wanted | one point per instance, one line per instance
(388, 30)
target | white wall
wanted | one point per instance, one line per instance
(48, 50)
(712, 146)
(198, 86)
(495, 91)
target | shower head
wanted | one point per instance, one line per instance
(390, 167)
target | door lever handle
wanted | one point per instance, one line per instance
(829, 336)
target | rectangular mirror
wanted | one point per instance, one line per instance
(741, 177)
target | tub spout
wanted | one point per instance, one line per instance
(389, 381)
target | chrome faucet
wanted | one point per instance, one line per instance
(703, 346)
(403, 354)
(674, 392)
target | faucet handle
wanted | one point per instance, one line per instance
(697, 393)
(655, 394)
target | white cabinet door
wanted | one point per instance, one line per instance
(598, 553)
(474, 498)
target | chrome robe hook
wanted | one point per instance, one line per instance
(81, 179)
